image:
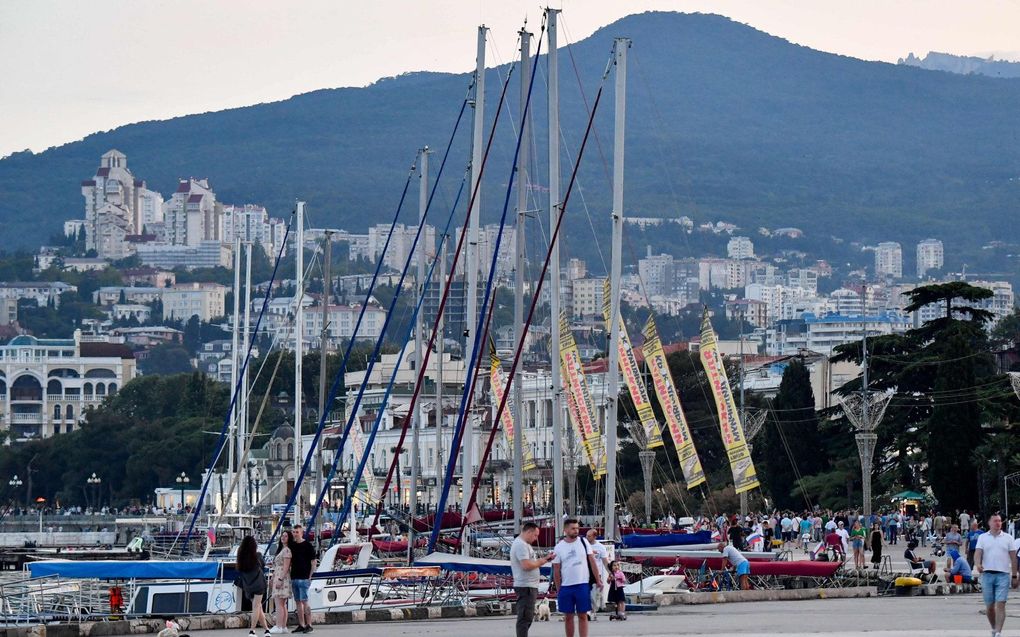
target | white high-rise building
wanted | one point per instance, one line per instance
(116, 206)
(400, 244)
(192, 215)
(889, 260)
(251, 223)
(740, 248)
(657, 274)
(929, 256)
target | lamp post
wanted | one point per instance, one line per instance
(182, 480)
(15, 484)
(94, 481)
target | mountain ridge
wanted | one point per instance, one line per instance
(724, 122)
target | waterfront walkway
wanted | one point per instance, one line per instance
(955, 616)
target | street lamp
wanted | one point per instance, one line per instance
(15, 483)
(182, 481)
(94, 481)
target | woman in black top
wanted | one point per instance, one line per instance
(251, 575)
(876, 544)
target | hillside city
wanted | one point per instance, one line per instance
(144, 249)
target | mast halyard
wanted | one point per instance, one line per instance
(327, 294)
(613, 371)
(522, 206)
(233, 439)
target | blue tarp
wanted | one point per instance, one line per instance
(636, 541)
(113, 569)
(452, 562)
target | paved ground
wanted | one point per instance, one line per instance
(956, 616)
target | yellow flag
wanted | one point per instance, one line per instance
(744, 476)
(581, 405)
(507, 420)
(629, 369)
(669, 400)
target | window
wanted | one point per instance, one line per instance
(69, 412)
(56, 412)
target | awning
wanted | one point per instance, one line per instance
(908, 495)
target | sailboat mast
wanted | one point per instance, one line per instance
(612, 372)
(246, 337)
(439, 371)
(299, 325)
(522, 207)
(327, 294)
(419, 338)
(234, 440)
(554, 266)
(471, 317)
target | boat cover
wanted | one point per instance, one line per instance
(667, 539)
(799, 568)
(466, 564)
(645, 553)
(115, 569)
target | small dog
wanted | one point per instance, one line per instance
(173, 629)
(542, 612)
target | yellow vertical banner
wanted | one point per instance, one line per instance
(669, 400)
(507, 419)
(581, 405)
(629, 369)
(744, 476)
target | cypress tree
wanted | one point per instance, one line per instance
(794, 420)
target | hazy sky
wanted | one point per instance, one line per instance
(72, 67)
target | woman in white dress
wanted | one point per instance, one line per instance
(279, 587)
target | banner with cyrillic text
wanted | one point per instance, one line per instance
(744, 476)
(582, 407)
(629, 370)
(669, 400)
(507, 419)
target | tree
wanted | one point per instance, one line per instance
(792, 443)
(954, 429)
(167, 358)
(193, 333)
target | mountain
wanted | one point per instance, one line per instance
(964, 64)
(725, 122)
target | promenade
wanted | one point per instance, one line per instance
(955, 616)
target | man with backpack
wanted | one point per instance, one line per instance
(573, 565)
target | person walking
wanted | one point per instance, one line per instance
(972, 537)
(876, 544)
(573, 565)
(954, 541)
(527, 574)
(302, 563)
(598, 598)
(280, 587)
(857, 534)
(995, 558)
(251, 572)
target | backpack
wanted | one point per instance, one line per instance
(591, 573)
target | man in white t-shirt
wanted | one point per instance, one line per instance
(786, 527)
(573, 565)
(598, 595)
(845, 535)
(995, 559)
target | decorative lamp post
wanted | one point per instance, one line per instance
(182, 481)
(94, 481)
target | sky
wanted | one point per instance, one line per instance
(69, 68)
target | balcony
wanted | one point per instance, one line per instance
(35, 419)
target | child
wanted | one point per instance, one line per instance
(617, 580)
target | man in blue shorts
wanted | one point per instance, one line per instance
(302, 564)
(740, 564)
(573, 568)
(995, 559)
